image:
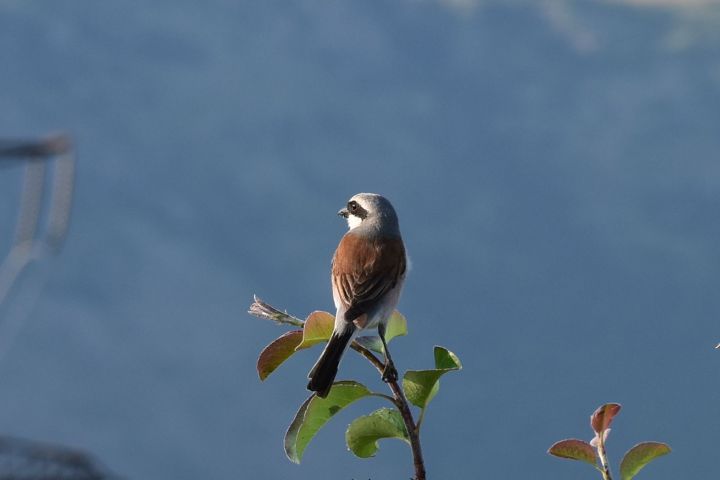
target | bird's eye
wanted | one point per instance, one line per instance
(352, 206)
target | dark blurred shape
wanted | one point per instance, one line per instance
(51, 145)
(28, 460)
(32, 241)
(49, 163)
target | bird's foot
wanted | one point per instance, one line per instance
(389, 373)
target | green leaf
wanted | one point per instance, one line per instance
(446, 360)
(318, 328)
(315, 412)
(396, 327)
(371, 342)
(421, 386)
(574, 449)
(639, 456)
(277, 352)
(601, 418)
(363, 433)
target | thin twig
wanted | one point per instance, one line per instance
(266, 311)
(420, 419)
(603, 457)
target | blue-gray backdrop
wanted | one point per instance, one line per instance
(554, 165)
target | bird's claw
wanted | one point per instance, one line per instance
(389, 373)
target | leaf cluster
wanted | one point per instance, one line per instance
(419, 387)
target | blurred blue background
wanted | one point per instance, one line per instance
(554, 165)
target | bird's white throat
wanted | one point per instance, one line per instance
(353, 221)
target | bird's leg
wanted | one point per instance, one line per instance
(389, 372)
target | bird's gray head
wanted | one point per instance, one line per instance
(372, 211)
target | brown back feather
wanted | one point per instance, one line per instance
(364, 269)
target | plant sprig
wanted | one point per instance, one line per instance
(594, 452)
(418, 387)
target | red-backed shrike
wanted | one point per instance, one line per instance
(368, 271)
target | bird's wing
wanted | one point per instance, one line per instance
(364, 270)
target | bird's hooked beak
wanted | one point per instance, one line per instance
(344, 213)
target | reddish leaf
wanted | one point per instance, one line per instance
(574, 449)
(318, 328)
(603, 416)
(277, 352)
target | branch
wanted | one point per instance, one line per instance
(402, 405)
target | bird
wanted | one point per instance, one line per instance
(367, 276)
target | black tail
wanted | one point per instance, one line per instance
(323, 373)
